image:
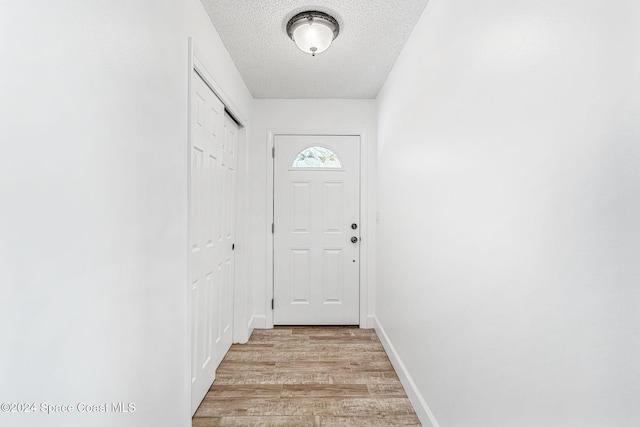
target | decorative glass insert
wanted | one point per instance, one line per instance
(316, 157)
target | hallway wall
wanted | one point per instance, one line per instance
(508, 275)
(304, 115)
(93, 223)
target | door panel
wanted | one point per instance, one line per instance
(212, 225)
(300, 193)
(316, 266)
(333, 212)
(300, 277)
(225, 309)
(332, 276)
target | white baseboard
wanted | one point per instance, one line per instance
(259, 322)
(371, 322)
(243, 336)
(250, 327)
(419, 405)
(242, 333)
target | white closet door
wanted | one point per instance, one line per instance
(211, 234)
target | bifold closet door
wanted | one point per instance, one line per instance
(214, 138)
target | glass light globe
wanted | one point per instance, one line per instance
(313, 37)
(313, 31)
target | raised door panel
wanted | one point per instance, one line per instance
(230, 146)
(197, 205)
(300, 208)
(228, 218)
(332, 207)
(332, 276)
(300, 276)
(216, 114)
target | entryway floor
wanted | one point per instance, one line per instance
(307, 376)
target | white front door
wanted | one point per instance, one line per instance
(211, 235)
(316, 230)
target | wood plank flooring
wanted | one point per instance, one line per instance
(307, 376)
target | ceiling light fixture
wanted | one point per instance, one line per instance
(313, 31)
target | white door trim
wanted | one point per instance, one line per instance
(198, 61)
(365, 235)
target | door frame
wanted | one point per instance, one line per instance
(366, 241)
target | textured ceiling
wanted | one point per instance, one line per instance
(372, 34)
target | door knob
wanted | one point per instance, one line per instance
(354, 239)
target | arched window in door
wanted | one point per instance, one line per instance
(316, 157)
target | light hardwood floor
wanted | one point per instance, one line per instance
(307, 376)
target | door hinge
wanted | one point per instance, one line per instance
(272, 303)
(273, 228)
(273, 152)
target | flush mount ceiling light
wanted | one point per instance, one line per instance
(313, 31)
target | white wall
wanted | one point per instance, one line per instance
(308, 115)
(509, 183)
(93, 193)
